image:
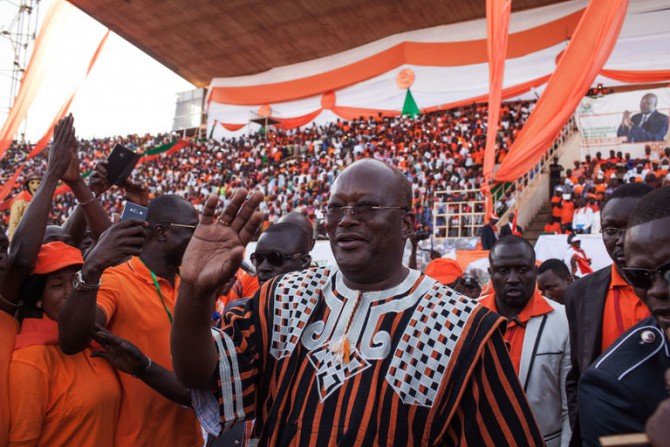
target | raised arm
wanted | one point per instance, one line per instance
(80, 313)
(89, 210)
(211, 259)
(28, 237)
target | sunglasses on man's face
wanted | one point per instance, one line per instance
(274, 258)
(642, 278)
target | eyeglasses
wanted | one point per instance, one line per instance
(274, 258)
(362, 211)
(178, 225)
(612, 231)
(644, 278)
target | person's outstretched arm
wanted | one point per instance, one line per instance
(28, 237)
(126, 357)
(213, 256)
(80, 312)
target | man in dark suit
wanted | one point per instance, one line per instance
(625, 385)
(488, 235)
(507, 229)
(648, 125)
(587, 298)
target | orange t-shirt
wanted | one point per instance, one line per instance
(623, 309)
(567, 212)
(553, 227)
(536, 306)
(61, 400)
(555, 210)
(8, 329)
(134, 311)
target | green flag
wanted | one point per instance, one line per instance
(410, 108)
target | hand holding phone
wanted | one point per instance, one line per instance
(120, 163)
(133, 211)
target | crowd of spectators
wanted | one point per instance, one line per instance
(579, 192)
(440, 151)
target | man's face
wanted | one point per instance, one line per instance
(369, 245)
(648, 246)
(615, 217)
(552, 286)
(648, 104)
(279, 253)
(513, 274)
(176, 237)
(33, 185)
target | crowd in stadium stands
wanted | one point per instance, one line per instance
(579, 192)
(441, 151)
(227, 354)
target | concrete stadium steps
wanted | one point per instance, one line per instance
(536, 226)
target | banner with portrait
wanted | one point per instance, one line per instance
(625, 122)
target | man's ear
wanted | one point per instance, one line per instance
(306, 261)
(160, 232)
(408, 224)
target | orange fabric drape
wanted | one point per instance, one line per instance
(347, 113)
(231, 127)
(292, 123)
(8, 186)
(30, 83)
(508, 92)
(497, 25)
(42, 143)
(432, 54)
(635, 77)
(350, 113)
(586, 54)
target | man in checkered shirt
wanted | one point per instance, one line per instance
(367, 352)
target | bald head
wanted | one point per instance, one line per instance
(386, 177)
(304, 223)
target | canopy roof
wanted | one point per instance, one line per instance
(204, 39)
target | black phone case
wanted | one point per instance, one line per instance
(120, 163)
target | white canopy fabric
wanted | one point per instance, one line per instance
(642, 45)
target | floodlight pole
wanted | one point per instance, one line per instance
(21, 32)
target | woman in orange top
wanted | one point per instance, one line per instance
(57, 399)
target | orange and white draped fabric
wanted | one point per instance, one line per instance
(426, 366)
(450, 66)
(577, 68)
(34, 74)
(497, 21)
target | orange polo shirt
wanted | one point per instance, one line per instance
(62, 400)
(8, 329)
(623, 309)
(555, 210)
(134, 311)
(567, 212)
(553, 227)
(536, 306)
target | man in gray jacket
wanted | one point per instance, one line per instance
(537, 335)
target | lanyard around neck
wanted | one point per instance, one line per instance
(158, 291)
